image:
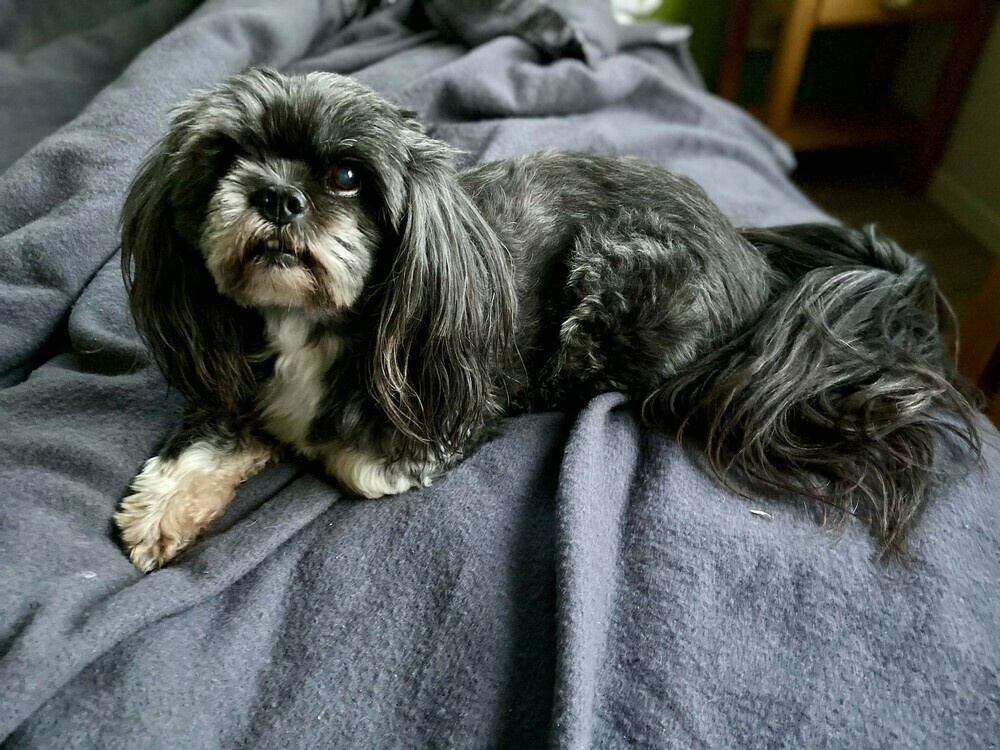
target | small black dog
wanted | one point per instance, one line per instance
(310, 271)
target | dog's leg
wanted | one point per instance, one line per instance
(369, 475)
(181, 491)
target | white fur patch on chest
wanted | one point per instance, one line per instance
(295, 391)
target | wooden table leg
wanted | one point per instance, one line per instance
(737, 31)
(979, 336)
(970, 34)
(789, 59)
(993, 410)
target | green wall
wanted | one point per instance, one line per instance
(708, 19)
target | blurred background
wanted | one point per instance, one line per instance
(873, 73)
(893, 110)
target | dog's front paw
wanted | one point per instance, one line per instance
(152, 529)
(172, 502)
(147, 546)
(174, 499)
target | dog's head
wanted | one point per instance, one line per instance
(311, 194)
(283, 186)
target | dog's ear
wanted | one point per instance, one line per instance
(197, 337)
(445, 335)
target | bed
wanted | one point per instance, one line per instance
(576, 583)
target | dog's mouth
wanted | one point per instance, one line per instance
(276, 252)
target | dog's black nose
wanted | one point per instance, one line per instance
(280, 204)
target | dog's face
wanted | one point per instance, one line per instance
(287, 231)
(286, 186)
(314, 195)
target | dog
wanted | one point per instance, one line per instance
(311, 272)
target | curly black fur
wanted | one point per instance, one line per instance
(433, 303)
(841, 389)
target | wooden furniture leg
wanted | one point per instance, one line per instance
(993, 410)
(789, 60)
(970, 34)
(737, 31)
(979, 336)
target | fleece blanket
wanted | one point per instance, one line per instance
(576, 583)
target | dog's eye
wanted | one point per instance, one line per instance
(224, 149)
(345, 177)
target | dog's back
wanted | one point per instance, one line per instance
(807, 357)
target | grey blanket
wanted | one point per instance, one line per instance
(577, 582)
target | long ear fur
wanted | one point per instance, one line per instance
(445, 335)
(196, 336)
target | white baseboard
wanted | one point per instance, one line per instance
(970, 211)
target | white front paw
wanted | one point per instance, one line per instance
(172, 502)
(174, 499)
(152, 535)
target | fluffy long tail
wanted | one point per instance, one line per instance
(841, 390)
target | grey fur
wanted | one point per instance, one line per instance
(808, 357)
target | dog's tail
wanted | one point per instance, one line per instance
(841, 388)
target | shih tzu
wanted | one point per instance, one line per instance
(314, 276)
